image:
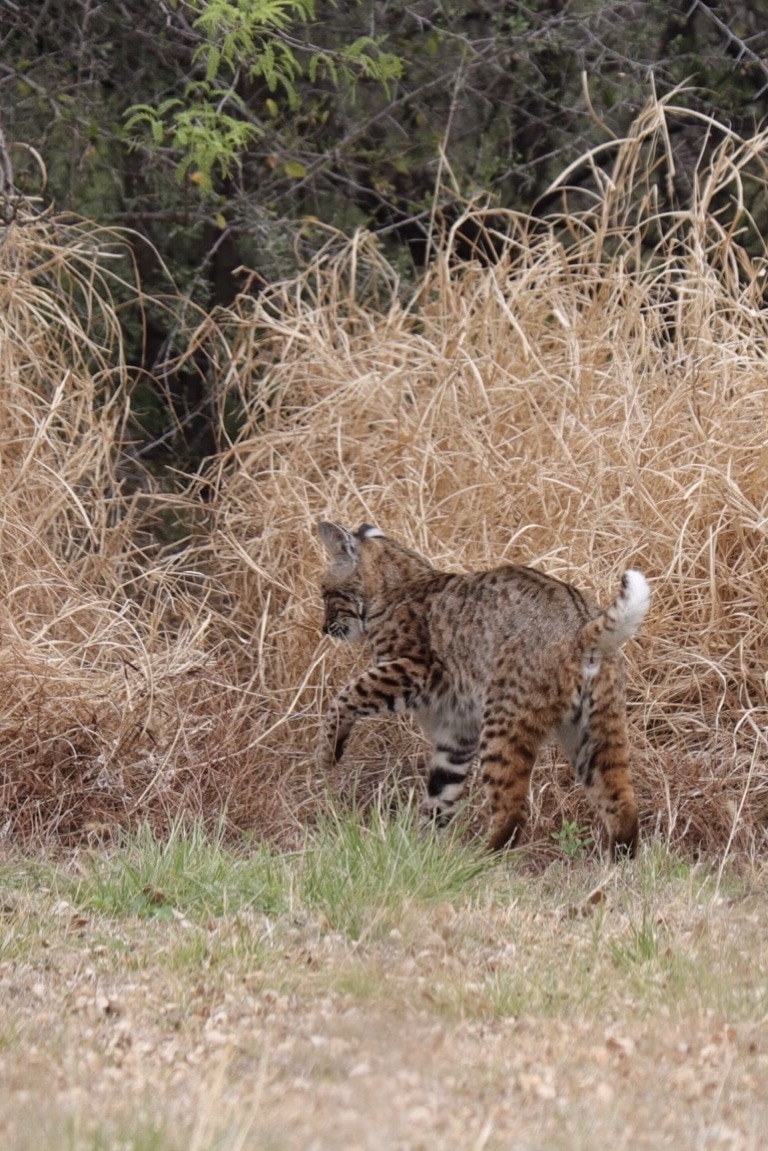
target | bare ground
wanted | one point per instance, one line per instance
(565, 1010)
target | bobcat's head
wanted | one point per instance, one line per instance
(342, 584)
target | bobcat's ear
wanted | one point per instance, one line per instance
(337, 540)
(370, 532)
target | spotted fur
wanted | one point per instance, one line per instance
(491, 664)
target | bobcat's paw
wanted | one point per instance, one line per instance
(324, 758)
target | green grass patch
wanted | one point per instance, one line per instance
(190, 873)
(356, 877)
(144, 1137)
(362, 876)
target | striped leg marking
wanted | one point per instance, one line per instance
(449, 770)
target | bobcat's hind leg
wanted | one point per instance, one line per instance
(597, 742)
(519, 715)
(506, 764)
(609, 785)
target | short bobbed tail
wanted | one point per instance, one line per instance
(622, 619)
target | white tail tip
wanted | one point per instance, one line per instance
(631, 607)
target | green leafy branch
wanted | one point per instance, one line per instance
(210, 126)
(201, 128)
(243, 37)
(573, 839)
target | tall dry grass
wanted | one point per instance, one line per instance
(594, 399)
(99, 651)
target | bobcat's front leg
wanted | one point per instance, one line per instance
(396, 686)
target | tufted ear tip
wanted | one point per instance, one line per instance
(370, 532)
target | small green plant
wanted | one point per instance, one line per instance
(574, 840)
(643, 942)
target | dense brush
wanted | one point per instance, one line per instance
(593, 401)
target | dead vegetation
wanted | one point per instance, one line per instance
(597, 398)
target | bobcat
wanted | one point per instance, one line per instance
(491, 664)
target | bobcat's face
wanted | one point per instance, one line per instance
(344, 611)
(342, 585)
(362, 564)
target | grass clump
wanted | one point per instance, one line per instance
(362, 875)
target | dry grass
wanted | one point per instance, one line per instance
(596, 399)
